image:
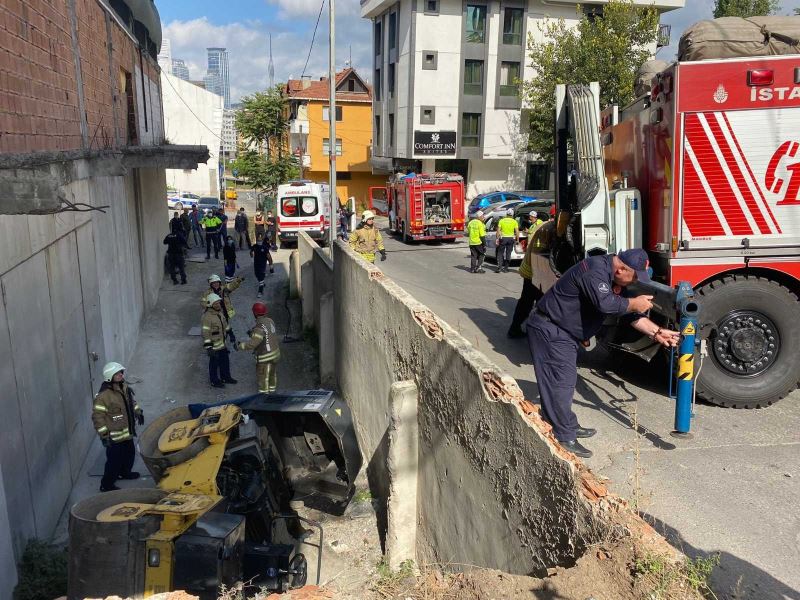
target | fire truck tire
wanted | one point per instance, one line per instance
(754, 350)
(406, 237)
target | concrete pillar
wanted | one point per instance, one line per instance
(327, 341)
(295, 285)
(307, 294)
(403, 464)
(8, 568)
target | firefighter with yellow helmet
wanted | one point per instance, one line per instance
(115, 415)
(366, 239)
(263, 343)
(214, 328)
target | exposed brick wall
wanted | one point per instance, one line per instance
(38, 93)
(39, 107)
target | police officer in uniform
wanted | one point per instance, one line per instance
(176, 242)
(214, 328)
(477, 242)
(568, 316)
(263, 343)
(366, 239)
(507, 236)
(115, 415)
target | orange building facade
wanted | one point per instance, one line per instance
(309, 133)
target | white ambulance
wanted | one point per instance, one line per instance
(303, 205)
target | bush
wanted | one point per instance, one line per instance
(42, 572)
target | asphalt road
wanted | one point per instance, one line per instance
(733, 489)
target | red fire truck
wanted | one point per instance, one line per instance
(423, 207)
(704, 173)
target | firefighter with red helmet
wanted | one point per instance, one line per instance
(263, 343)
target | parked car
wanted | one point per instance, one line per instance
(182, 200)
(521, 212)
(499, 209)
(208, 203)
(482, 201)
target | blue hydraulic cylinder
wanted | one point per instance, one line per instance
(688, 310)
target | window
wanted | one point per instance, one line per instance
(509, 78)
(427, 115)
(344, 175)
(326, 146)
(476, 23)
(326, 113)
(126, 82)
(377, 85)
(537, 176)
(299, 206)
(351, 86)
(432, 7)
(378, 38)
(392, 77)
(393, 31)
(429, 60)
(391, 130)
(512, 26)
(473, 77)
(471, 130)
(378, 131)
(592, 12)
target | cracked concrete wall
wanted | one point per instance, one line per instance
(74, 285)
(493, 489)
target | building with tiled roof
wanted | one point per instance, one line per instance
(309, 132)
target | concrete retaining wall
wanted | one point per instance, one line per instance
(74, 289)
(493, 487)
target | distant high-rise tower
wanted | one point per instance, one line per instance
(271, 66)
(217, 79)
(165, 56)
(179, 69)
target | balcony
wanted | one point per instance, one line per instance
(663, 5)
(373, 8)
(298, 126)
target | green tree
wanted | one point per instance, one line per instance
(263, 123)
(608, 48)
(745, 8)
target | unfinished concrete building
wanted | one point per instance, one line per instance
(81, 128)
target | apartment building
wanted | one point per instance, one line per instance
(446, 96)
(309, 133)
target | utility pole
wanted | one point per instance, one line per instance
(332, 121)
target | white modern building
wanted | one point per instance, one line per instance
(192, 113)
(445, 97)
(179, 69)
(165, 56)
(217, 77)
(229, 135)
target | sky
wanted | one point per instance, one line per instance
(243, 27)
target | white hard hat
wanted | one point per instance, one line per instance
(479, 214)
(213, 278)
(510, 212)
(367, 215)
(211, 298)
(111, 369)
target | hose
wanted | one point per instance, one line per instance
(703, 354)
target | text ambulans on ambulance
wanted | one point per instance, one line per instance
(303, 206)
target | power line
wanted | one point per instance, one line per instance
(191, 111)
(313, 36)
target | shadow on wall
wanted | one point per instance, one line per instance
(734, 578)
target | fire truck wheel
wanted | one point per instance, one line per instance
(754, 348)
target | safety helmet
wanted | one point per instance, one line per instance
(510, 212)
(213, 278)
(111, 369)
(479, 214)
(367, 215)
(259, 309)
(211, 298)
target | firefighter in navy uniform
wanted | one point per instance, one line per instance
(115, 415)
(568, 316)
(263, 343)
